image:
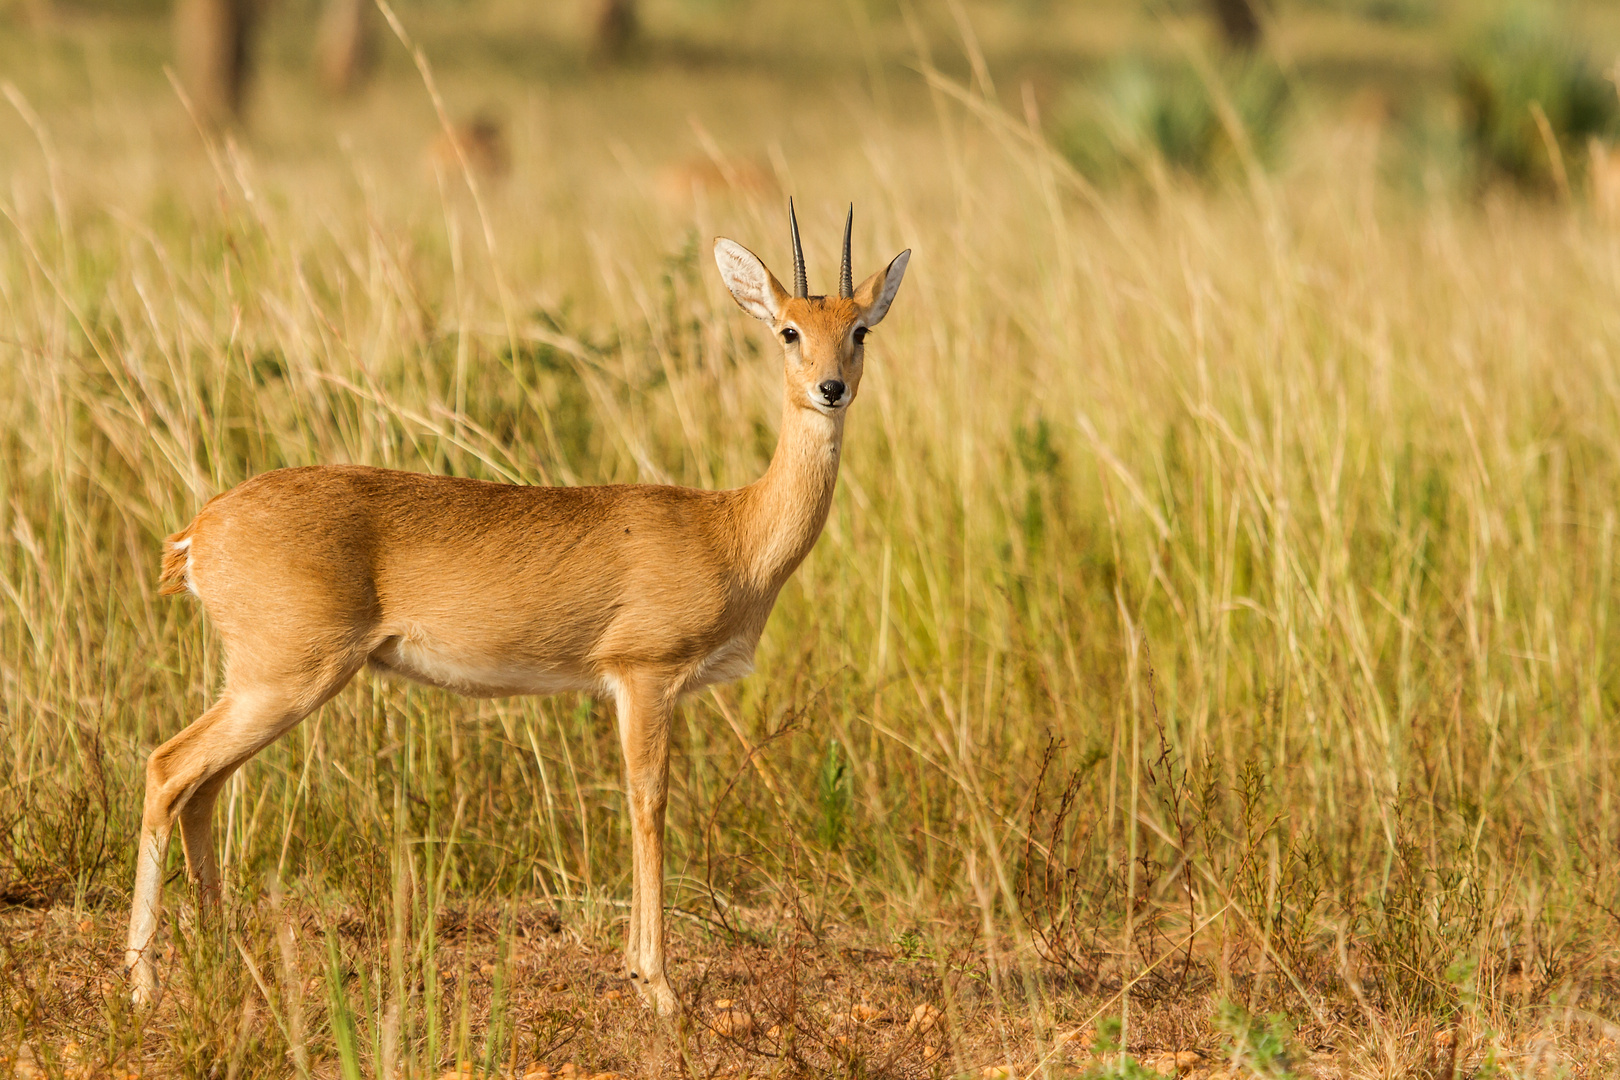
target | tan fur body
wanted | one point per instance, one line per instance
(477, 587)
(684, 182)
(480, 142)
(640, 592)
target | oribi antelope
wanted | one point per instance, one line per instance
(638, 591)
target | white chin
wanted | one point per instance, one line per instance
(826, 409)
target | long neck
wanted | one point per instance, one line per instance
(783, 511)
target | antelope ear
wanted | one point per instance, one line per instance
(876, 293)
(755, 288)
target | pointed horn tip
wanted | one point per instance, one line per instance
(801, 284)
(846, 283)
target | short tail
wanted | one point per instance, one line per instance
(176, 574)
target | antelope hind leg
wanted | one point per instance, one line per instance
(183, 777)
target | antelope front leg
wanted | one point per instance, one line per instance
(645, 707)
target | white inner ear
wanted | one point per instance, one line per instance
(747, 278)
(891, 285)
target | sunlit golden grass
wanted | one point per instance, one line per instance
(1273, 521)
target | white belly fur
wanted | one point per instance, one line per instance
(419, 659)
(730, 661)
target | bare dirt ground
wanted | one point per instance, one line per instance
(785, 1003)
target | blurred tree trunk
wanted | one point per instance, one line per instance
(1239, 22)
(212, 38)
(35, 12)
(615, 27)
(344, 44)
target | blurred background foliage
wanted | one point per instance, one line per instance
(1502, 90)
(1531, 94)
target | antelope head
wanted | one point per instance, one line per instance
(822, 336)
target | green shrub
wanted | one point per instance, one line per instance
(1143, 117)
(1395, 12)
(1256, 1047)
(1525, 59)
(1112, 1062)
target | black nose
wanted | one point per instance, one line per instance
(832, 390)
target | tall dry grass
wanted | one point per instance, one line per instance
(1218, 596)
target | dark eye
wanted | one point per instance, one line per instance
(860, 335)
(789, 336)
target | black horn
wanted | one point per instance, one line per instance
(801, 287)
(846, 284)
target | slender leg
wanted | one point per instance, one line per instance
(197, 835)
(183, 777)
(143, 914)
(164, 799)
(645, 708)
(632, 934)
